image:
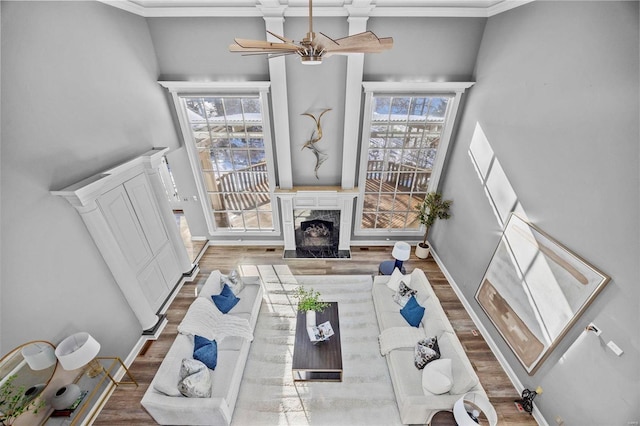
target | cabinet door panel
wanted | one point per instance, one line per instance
(122, 220)
(146, 209)
(153, 285)
(169, 265)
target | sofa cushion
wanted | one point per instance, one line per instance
(412, 312)
(425, 351)
(247, 299)
(223, 376)
(394, 280)
(206, 351)
(464, 377)
(168, 376)
(230, 343)
(437, 377)
(226, 300)
(407, 381)
(383, 298)
(196, 380)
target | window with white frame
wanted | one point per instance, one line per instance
(405, 138)
(230, 151)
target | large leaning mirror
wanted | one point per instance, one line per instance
(24, 373)
(534, 290)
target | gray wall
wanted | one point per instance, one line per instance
(197, 49)
(79, 94)
(556, 96)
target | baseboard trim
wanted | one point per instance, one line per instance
(537, 415)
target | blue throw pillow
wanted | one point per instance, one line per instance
(412, 312)
(225, 300)
(205, 351)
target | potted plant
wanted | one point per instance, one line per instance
(310, 303)
(14, 401)
(433, 207)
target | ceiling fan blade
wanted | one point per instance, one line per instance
(242, 49)
(366, 42)
(261, 44)
(323, 42)
(269, 54)
(279, 37)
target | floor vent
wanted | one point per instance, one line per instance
(270, 249)
(364, 248)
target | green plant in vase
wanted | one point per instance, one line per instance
(310, 303)
(432, 208)
(309, 300)
(14, 401)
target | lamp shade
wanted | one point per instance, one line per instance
(474, 403)
(39, 356)
(77, 350)
(401, 251)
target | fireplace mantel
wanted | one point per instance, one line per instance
(317, 197)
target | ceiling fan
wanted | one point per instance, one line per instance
(314, 46)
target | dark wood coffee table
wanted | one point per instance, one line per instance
(321, 361)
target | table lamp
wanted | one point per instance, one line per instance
(79, 350)
(39, 356)
(401, 252)
(473, 404)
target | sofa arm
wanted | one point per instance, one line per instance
(178, 410)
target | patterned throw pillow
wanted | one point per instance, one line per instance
(234, 281)
(404, 290)
(426, 350)
(404, 293)
(195, 379)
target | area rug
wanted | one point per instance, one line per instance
(269, 396)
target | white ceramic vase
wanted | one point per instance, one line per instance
(65, 396)
(311, 318)
(422, 252)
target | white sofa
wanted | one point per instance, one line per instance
(164, 401)
(415, 404)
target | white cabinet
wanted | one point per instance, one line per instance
(133, 227)
(132, 213)
(119, 214)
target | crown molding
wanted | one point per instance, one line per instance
(326, 8)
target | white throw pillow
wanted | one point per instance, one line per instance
(437, 377)
(396, 277)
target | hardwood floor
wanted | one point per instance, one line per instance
(123, 407)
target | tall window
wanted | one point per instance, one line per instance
(401, 159)
(229, 137)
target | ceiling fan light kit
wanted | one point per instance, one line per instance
(314, 46)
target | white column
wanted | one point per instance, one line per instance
(274, 22)
(346, 216)
(288, 224)
(355, 69)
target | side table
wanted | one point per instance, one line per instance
(443, 418)
(386, 267)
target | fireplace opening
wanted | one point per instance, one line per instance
(317, 235)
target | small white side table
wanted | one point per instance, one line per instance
(474, 401)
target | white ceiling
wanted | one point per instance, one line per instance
(373, 8)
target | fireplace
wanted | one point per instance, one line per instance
(317, 223)
(317, 233)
